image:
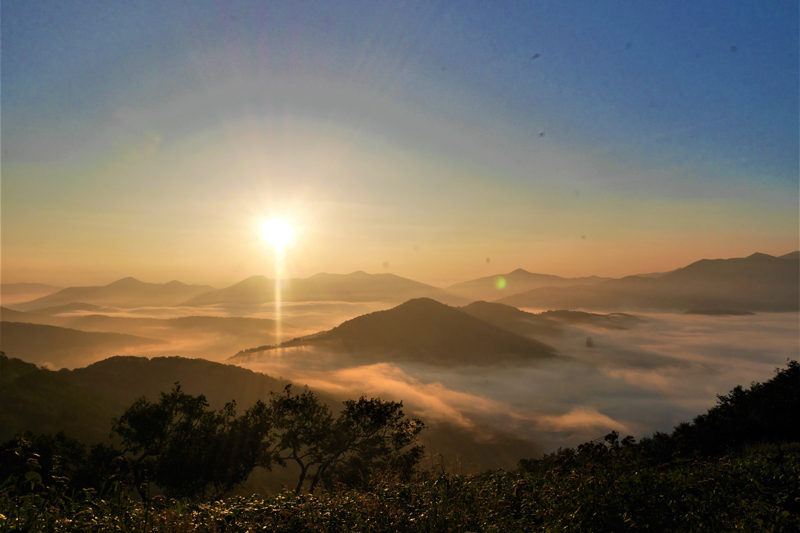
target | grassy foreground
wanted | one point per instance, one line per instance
(734, 468)
(602, 487)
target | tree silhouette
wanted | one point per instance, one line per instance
(185, 448)
(368, 435)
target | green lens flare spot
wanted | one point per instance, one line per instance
(500, 283)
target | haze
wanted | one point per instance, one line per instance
(533, 223)
(424, 140)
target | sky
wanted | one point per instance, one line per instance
(439, 141)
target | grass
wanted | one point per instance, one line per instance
(599, 488)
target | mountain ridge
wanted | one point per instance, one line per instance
(759, 282)
(127, 292)
(421, 330)
(356, 286)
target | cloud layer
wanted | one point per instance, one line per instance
(666, 370)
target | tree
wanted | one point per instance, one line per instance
(369, 435)
(185, 448)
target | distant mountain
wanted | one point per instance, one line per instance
(794, 256)
(12, 293)
(759, 282)
(356, 287)
(494, 287)
(63, 347)
(69, 308)
(512, 319)
(127, 292)
(609, 321)
(425, 331)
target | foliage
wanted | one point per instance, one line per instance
(369, 435)
(607, 485)
(186, 448)
(600, 488)
(766, 412)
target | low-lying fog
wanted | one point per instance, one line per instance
(665, 370)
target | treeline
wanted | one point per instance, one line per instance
(734, 468)
(187, 450)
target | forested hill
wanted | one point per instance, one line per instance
(83, 401)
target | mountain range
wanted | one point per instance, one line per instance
(493, 287)
(126, 293)
(759, 282)
(355, 287)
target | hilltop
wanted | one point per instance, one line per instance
(355, 287)
(423, 330)
(493, 287)
(126, 292)
(64, 347)
(759, 282)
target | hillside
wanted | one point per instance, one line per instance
(493, 287)
(63, 347)
(126, 293)
(354, 287)
(423, 330)
(512, 319)
(609, 321)
(734, 468)
(83, 401)
(759, 282)
(13, 293)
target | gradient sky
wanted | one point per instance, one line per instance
(419, 138)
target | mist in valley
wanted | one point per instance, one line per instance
(665, 370)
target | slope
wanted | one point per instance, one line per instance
(494, 287)
(355, 287)
(512, 319)
(63, 347)
(425, 331)
(759, 282)
(126, 292)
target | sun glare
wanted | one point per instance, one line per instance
(278, 233)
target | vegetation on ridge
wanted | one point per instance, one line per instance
(676, 482)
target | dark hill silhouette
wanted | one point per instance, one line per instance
(355, 287)
(63, 347)
(123, 379)
(210, 337)
(490, 288)
(759, 282)
(795, 256)
(717, 312)
(83, 401)
(512, 319)
(609, 321)
(126, 292)
(426, 331)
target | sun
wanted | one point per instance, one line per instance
(278, 233)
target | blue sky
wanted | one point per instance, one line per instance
(427, 135)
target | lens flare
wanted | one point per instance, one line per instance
(278, 233)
